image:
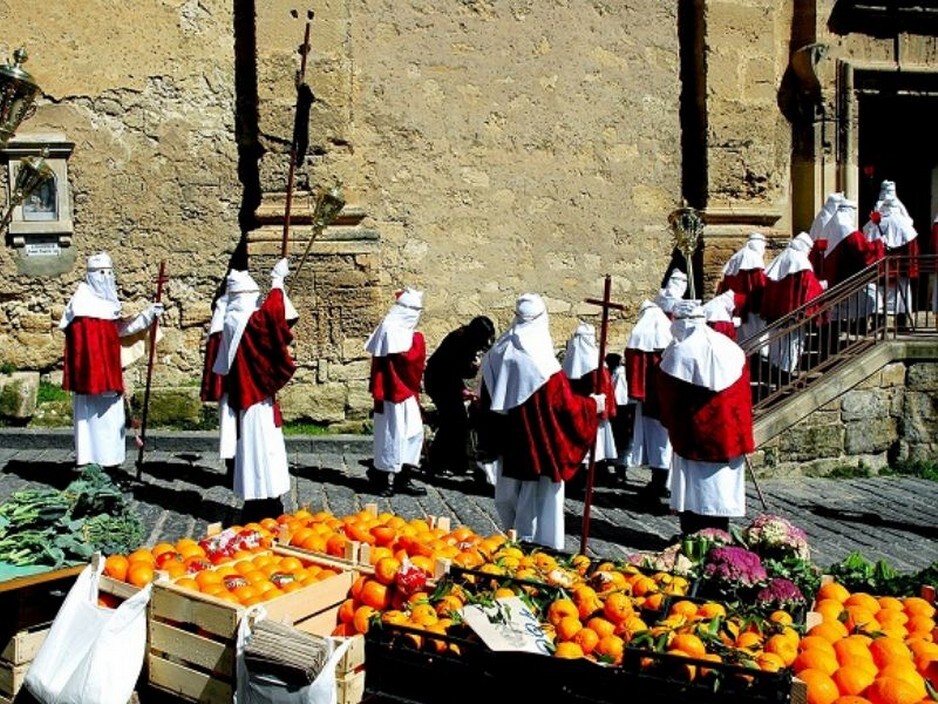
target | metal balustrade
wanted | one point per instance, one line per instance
(877, 304)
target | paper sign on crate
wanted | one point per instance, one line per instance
(510, 625)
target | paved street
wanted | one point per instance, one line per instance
(182, 491)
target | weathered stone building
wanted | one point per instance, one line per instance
(485, 148)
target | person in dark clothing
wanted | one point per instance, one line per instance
(456, 359)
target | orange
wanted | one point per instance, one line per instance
(142, 554)
(862, 619)
(863, 600)
(886, 650)
(890, 603)
(781, 616)
(833, 590)
(602, 626)
(160, 548)
(685, 608)
(347, 610)
(851, 646)
(617, 607)
(851, 699)
(917, 606)
(560, 608)
(920, 625)
(747, 640)
(361, 619)
(890, 690)
(829, 630)
(568, 627)
(853, 679)
(769, 662)
(587, 639)
(689, 643)
(783, 647)
(908, 673)
(375, 595)
(610, 649)
(115, 566)
(569, 650)
(830, 609)
(386, 569)
(821, 687)
(207, 577)
(187, 583)
(290, 564)
(815, 659)
(140, 574)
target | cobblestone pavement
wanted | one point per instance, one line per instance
(183, 490)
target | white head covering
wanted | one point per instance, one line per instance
(894, 228)
(673, 291)
(522, 359)
(582, 355)
(395, 333)
(720, 308)
(750, 256)
(652, 330)
(243, 298)
(699, 354)
(887, 191)
(96, 296)
(792, 259)
(218, 315)
(824, 215)
(841, 225)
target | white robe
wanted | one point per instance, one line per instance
(398, 438)
(708, 488)
(261, 468)
(534, 509)
(99, 429)
(651, 445)
(227, 429)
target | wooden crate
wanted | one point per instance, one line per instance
(192, 636)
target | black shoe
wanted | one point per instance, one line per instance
(404, 484)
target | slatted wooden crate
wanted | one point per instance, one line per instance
(192, 636)
(16, 657)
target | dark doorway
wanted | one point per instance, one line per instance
(897, 142)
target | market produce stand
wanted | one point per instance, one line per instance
(30, 597)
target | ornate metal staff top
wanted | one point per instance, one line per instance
(686, 229)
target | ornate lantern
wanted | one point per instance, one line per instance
(18, 92)
(33, 172)
(686, 229)
(329, 203)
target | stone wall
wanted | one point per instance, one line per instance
(485, 149)
(891, 416)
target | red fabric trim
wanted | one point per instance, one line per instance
(262, 365)
(707, 425)
(585, 384)
(748, 283)
(793, 291)
(92, 360)
(213, 385)
(550, 434)
(852, 255)
(396, 377)
(724, 326)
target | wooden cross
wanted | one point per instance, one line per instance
(606, 305)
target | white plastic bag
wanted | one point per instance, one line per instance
(258, 688)
(93, 654)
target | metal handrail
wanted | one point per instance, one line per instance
(828, 332)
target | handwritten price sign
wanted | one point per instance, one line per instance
(508, 626)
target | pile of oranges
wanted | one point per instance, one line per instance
(869, 650)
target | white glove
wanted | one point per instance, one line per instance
(600, 400)
(280, 270)
(156, 310)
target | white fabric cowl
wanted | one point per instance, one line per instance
(720, 308)
(243, 299)
(750, 256)
(582, 354)
(840, 226)
(673, 291)
(824, 215)
(395, 333)
(701, 356)
(96, 296)
(887, 192)
(652, 330)
(523, 358)
(894, 228)
(792, 259)
(218, 315)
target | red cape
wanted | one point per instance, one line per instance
(641, 370)
(213, 385)
(782, 297)
(396, 377)
(262, 365)
(549, 434)
(92, 362)
(853, 254)
(749, 283)
(705, 425)
(724, 326)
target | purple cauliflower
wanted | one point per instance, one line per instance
(774, 536)
(780, 593)
(734, 566)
